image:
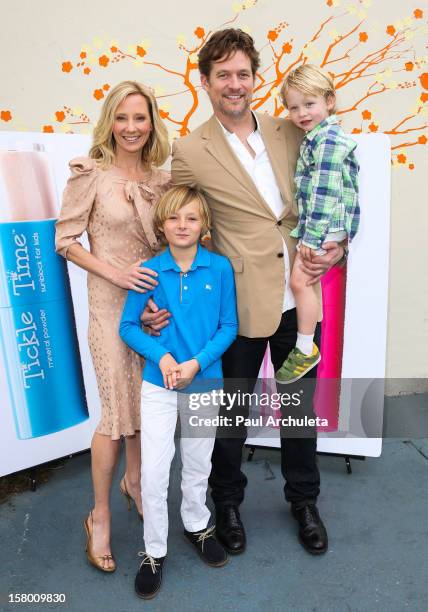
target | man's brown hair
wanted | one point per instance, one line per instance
(224, 43)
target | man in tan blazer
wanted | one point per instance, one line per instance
(244, 164)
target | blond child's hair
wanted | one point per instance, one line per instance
(310, 80)
(174, 199)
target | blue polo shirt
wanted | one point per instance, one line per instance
(203, 324)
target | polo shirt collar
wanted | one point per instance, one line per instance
(202, 259)
(167, 261)
(330, 120)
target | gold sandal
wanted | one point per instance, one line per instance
(98, 562)
(129, 498)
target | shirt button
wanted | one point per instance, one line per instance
(279, 222)
(280, 254)
(185, 287)
(185, 276)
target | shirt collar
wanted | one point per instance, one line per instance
(202, 259)
(330, 120)
(232, 134)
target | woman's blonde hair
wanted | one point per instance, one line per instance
(156, 149)
(310, 80)
(174, 199)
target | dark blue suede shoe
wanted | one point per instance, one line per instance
(207, 546)
(149, 577)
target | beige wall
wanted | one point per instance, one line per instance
(39, 37)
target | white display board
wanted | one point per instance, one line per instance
(365, 333)
(17, 454)
(365, 317)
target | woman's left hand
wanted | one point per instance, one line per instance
(135, 277)
(148, 277)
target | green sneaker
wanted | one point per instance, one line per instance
(297, 365)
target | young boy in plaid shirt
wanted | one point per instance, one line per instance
(327, 196)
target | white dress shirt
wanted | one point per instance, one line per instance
(260, 170)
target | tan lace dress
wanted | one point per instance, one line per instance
(117, 216)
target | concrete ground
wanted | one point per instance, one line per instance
(377, 558)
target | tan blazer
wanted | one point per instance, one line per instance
(244, 227)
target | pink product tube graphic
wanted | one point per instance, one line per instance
(37, 327)
(327, 395)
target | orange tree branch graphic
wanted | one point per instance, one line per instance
(364, 66)
(281, 73)
(117, 55)
(339, 40)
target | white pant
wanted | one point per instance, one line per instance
(159, 409)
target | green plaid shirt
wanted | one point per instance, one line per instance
(326, 184)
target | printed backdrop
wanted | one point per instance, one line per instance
(62, 59)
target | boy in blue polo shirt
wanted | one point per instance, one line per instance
(197, 287)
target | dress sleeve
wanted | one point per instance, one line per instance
(78, 199)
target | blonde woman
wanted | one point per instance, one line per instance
(110, 196)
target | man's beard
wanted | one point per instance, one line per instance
(236, 112)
